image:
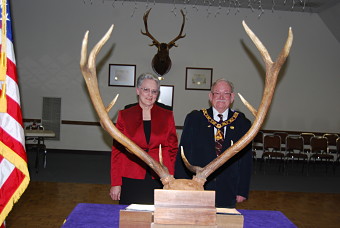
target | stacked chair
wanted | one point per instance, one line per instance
(331, 138)
(295, 152)
(272, 151)
(319, 151)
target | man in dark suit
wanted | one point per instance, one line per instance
(201, 139)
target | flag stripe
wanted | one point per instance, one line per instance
(14, 178)
(15, 184)
(13, 109)
(12, 87)
(9, 51)
(12, 127)
(13, 145)
(6, 169)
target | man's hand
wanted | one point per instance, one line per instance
(240, 199)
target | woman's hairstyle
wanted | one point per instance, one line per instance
(223, 80)
(144, 76)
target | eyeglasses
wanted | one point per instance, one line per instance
(147, 91)
(218, 94)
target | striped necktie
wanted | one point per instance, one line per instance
(219, 137)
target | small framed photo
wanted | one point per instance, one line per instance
(198, 78)
(122, 75)
(166, 95)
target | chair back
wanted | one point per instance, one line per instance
(259, 137)
(331, 138)
(272, 143)
(319, 145)
(294, 143)
(306, 137)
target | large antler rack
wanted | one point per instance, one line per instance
(88, 69)
(156, 42)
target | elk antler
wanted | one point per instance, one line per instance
(88, 69)
(272, 71)
(147, 33)
(180, 36)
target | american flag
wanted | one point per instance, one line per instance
(14, 176)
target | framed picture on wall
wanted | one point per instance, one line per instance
(198, 78)
(122, 75)
(166, 95)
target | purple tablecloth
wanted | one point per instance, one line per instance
(86, 215)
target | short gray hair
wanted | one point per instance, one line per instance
(223, 80)
(144, 76)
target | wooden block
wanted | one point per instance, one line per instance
(184, 198)
(223, 221)
(154, 225)
(136, 219)
(183, 207)
(230, 221)
(142, 219)
(185, 215)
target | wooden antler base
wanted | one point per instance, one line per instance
(144, 219)
(181, 209)
(185, 207)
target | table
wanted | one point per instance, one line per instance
(87, 215)
(40, 136)
(39, 133)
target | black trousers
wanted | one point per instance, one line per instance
(139, 191)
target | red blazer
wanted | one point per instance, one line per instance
(163, 131)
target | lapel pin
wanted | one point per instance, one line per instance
(232, 127)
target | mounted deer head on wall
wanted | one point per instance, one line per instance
(88, 68)
(161, 62)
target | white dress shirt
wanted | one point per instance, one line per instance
(217, 119)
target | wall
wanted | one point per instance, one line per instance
(330, 17)
(48, 37)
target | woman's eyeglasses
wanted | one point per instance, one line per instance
(147, 90)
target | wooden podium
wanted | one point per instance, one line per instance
(181, 209)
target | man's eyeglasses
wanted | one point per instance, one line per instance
(218, 94)
(147, 90)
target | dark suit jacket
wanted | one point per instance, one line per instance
(231, 179)
(163, 131)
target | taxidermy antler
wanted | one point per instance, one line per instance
(88, 68)
(161, 62)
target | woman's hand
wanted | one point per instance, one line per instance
(115, 192)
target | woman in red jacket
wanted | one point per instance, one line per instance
(149, 124)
